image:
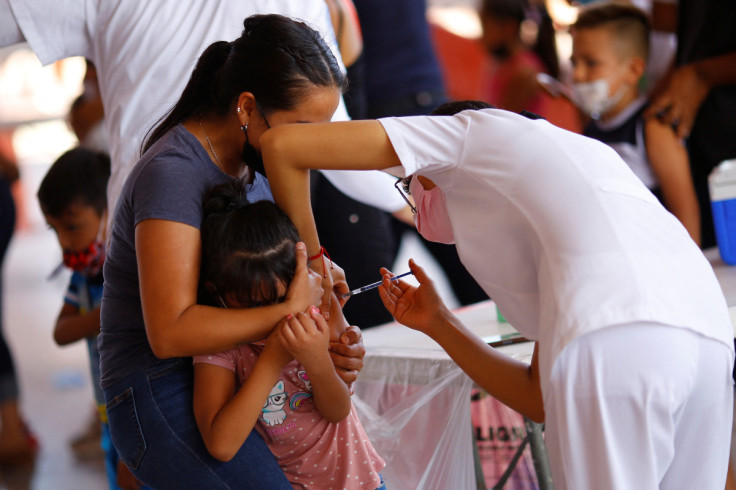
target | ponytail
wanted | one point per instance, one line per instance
(275, 58)
(197, 91)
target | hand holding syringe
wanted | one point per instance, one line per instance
(370, 286)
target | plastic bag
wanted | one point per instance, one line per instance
(416, 416)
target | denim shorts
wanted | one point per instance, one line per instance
(153, 428)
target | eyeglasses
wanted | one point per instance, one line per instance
(398, 185)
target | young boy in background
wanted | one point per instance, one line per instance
(609, 58)
(73, 200)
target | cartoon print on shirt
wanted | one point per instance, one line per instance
(273, 412)
(298, 398)
(305, 378)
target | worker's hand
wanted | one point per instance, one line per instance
(347, 354)
(305, 289)
(416, 307)
(678, 102)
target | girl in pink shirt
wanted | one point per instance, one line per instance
(286, 385)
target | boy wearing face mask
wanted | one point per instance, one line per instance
(73, 200)
(610, 50)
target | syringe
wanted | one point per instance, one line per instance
(370, 286)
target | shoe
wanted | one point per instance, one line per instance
(87, 445)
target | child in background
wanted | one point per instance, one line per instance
(609, 57)
(520, 41)
(286, 386)
(73, 200)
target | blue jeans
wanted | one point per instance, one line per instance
(153, 428)
(383, 484)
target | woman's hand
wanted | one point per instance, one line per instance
(305, 289)
(333, 278)
(339, 285)
(321, 265)
(416, 307)
(347, 354)
(306, 337)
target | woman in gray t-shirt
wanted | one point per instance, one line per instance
(279, 71)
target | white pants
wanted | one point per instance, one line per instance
(641, 406)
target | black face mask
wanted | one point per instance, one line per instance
(251, 157)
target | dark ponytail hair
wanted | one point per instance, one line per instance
(247, 249)
(275, 58)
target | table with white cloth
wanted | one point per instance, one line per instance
(414, 401)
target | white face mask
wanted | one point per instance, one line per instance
(594, 97)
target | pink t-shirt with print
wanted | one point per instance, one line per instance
(314, 453)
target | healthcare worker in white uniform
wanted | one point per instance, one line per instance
(632, 367)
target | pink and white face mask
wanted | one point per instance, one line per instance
(431, 218)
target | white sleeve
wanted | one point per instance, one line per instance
(373, 188)
(428, 142)
(56, 29)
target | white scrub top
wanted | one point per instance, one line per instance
(145, 52)
(558, 230)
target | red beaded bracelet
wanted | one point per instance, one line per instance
(323, 253)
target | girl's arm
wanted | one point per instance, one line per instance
(168, 266)
(670, 163)
(512, 382)
(290, 150)
(71, 325)
(225, 417)
(306, 337)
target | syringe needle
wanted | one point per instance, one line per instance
(370, 286)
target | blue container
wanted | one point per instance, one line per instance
(722, 185)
